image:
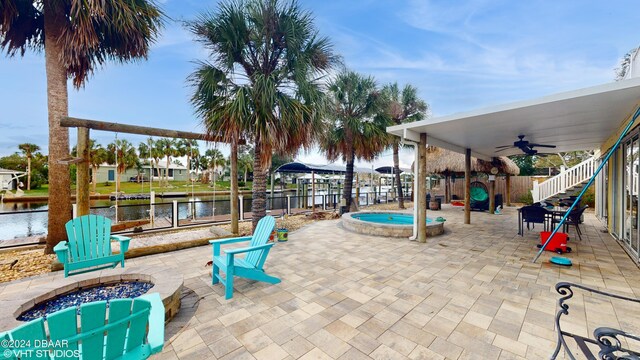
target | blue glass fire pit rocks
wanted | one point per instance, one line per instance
(121, 290)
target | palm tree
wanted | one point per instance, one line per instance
(402, 107)
(267, 58)
(201, 163)
(190, 150)
(194, 153)
(144, 152)
(358, 129)
(169, 148)
(28, 150)
(215, 159)
(98, 156)
(156, 153)
(123, 155)
(76, 36)
(245, 163)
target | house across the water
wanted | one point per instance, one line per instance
(10, 179)
(108, 173)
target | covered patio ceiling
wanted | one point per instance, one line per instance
(575, 120)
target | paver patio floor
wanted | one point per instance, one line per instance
(471, 293)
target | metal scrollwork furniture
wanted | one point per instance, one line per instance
(608, 340)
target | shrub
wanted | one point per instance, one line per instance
(526, 198)
(589, 197)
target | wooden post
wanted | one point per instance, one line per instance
(446, 188)
(492, 196)
(313, 191)
(421, 202)
(305, 194)
(82, 175)
(467, 186)
(508, 185)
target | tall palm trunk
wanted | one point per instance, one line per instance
(396, 171)
(348, 179)
(29, 172)
(234, 185)
(259, 188)
(94, 178)
(166, 171)
(189, 167)
(158, 171)
(58, 107)
(245, 175)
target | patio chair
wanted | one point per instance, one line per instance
(534, 215)
(249, 267)
(609, 342)
(89, 245)
(125, 329)
(574, 219)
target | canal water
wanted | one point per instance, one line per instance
(27, 219)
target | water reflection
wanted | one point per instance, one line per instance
(24, 219)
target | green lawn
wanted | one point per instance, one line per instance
(136, 188)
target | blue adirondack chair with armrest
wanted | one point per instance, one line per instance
(89, 245)
(249, 267)
(133, 329)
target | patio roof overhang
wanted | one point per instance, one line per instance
(575, 120)
(389, 170)
(298, 167)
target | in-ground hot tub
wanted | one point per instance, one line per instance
(387, 223)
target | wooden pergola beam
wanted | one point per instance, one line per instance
(139, 130)
(85, 125)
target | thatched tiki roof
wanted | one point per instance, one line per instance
(446, 162)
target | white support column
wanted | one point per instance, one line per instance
(241, 206)
(535, 192)
(74, 210)
(288, 204)
(415, 187)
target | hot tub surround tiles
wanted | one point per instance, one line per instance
(350, 223)
(16, 300)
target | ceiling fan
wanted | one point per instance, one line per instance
(524, 145)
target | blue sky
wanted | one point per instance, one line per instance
(461, 55)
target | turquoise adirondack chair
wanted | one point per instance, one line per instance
(249, 267)
(89, 245)
(134, 330)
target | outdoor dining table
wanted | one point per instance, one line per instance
(556, 212)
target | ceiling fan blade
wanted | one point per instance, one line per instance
(507, 148)
(542, 145)
(504, 146)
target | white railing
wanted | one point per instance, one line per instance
(567, 179)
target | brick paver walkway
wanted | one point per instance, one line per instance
(471, 293)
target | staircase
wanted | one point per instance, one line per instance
(568, 183)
